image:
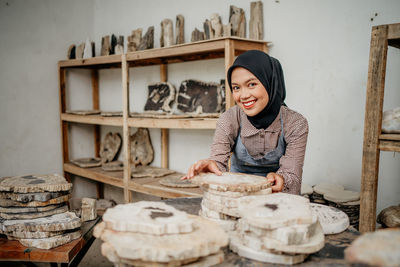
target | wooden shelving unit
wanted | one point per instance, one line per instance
(226, 47)
(374, 139)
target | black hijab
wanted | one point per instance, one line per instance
(269, 72)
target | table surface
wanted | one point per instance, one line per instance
(332, 254)
(12, 250)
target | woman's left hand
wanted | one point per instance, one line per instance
(276, 180)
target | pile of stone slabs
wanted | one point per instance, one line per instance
(155, 234)
(277, 228)
(222, 195)
(34, 211)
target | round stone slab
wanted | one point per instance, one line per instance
(206, 238)
(275, 210)
(174, 180)
(87, 162)
(33, 215)
(333, 220)
(342, 196)
(83, 112)
(32, 235)
(148, 217)
(306, 189)
(150, 171)
(229, 181)
(109, 148)
(51, 242)
(238, 194)
(323, 188)
(35, 183)
(113, 166)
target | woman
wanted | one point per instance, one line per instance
(261, 133)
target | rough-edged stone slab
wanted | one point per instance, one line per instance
(212, 214)
(323, 188)
(216, 25)
(264, 256)
(79, 51)
(83, 112)
(71, 52)
(342, 196)
(105, 46)
(134, 40)
(33, 215)
(28, 209)
(238, 20)
(231, 194)
(34, 183)
(147, 41)
(161, 97)
(390, 217)
(111, 113)
(87, 162)
(27, 197)
(148, 217)
(197, 35)
(275, 210)
(87, 52)
(110, 147)
(231, 202)
(167, 33)
(207, 238)
(57, 222)
(207, 30)
(31, 235)
(12, 203)
(51, 242)
(227, 225)
(379, 248)
(231, 211)
(228, 181)
(88, 211)
(142, 152)
(391, 121)
(256, 25)
(199, 97)
(333, 220)
(174, 180)
(179, 29)
(227, 29)
(113, 166)
(150, 171)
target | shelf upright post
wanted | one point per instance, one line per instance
(64, 124)
(126, 136)
(229, 55)
(164, 131)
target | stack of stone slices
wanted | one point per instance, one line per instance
(34, 210)
(277, 228)
(222, 195)
(155, 234)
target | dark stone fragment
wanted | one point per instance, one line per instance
(271, 206)
(38, 181)
(29, 177)
(152, 208)
(147, 40)
(156, 214)
(161, 97)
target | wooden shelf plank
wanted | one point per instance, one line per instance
(387, 145)
(393, 137)
(190, 123)
(92, 119)
(96, 62)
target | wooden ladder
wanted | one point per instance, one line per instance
(374, 140)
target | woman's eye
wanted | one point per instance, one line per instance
(235, 88)
(252, 84)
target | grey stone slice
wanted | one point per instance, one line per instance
(57, 222)
(238, 20)
(28, 197)
(33, 215)
(113, 166)
(208, 34)
(390, 217)
(79, 51)
(52, 201)
(147, 41)
(134, 40)
(199, 97)
(174, 180)
(142, 152)
(150, 171)
(333, 220)
(88, 209)
(105, 46)
(71, 52)
(51, 242)
(179, 29)
(197, 35)
(31, 235)
(84, 112)
(167, 33)
(160, 97)
(87, 53)
(34, 183)
(256, 25)
(110, 147)
(391, 121)
(87, 162)
(216, 26)
(28, 209)
(379, 248)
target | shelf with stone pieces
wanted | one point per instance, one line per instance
(389, 142)
(146, 185)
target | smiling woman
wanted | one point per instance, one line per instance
(260, 135)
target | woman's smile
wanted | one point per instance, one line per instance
(248, 104)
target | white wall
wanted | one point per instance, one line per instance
(323, 47)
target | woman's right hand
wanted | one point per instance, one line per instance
(204, 165)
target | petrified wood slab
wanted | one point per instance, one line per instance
(88, 211)
(148, 217)
(31, 235)
(71, 52)
(110, 147)
(238, 20)
(142, 152)
(33, 215)
(51, 242)
(111, 113)
(34, 183)
(199, 97)
(87, 52)
(216, 25)
(379, 248)
(57, 222)
(275, 210)
(87, 162)
(323, 188)
(256, 25)
(207, 238)
(13, 203)
(179, 29)
(167, 33)
(84, 112)
(227, 225)
(28, 209)
(147, 41)
(113, 44)
(160, 97)
(105, 46)
(227, 30)
(113, 166)
(231, 194)
(215, 206)
(27, 197)
(390, 217)
(333, 220)
(209, 213)
(134, 40)
(229, 181)
(164, 115)
(79, 51)
(208, 34)
(197, 35)
(174, 180)
(306, 189)
(342, 196)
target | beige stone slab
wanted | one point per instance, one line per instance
(110, 147)
(87, 162)
(34, 183)
(379, 248)
(227, 225)
(323, 188)
(88, 209)
(12, 203)
(150, 171)
(207, 238)
(51, 242)
(111, 113)
(27, 197)
(142, 152)
(264, 256)
(229, 202)
(174, 180)
(236, 182)
(148, 217)
(28, 209)
(113, 166)
(84, 112)
(231, 194)
(32, 235)
(342, 196)
(57, 222)
(211, 205)
(215, 214)
(333, 220)
(275, 210)
(33, 215)
(306, 189)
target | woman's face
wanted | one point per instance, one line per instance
(248, 92)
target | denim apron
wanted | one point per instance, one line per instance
(242, 162)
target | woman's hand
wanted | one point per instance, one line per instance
(204, 165)
(276, 180)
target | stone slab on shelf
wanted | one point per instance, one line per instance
(215, 206)
(161, 97)
(28, 197)
(87, 162)
(34, 183)
(150, 171)
(84, 112)
(111, 113)
(323, 188)
(29, 209)
(113, 166)
(333, 220)
(51, 242)
(231, 194)
(53, 201)
(33, 215)
(32, 235)
(141, 150)
(88, 211)
(110, 147)
(174, 180)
